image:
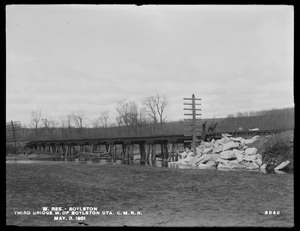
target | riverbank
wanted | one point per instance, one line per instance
(31, 156)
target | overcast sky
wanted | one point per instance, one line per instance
(63, 58)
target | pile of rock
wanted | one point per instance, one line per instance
(225, 153)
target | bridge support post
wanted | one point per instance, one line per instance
(65, 150)
(127, 152)
(148, 152)
(71, 150)
(176, 152)
(131, 152)
(115, 151)
(169, 151)
(142, 152)
(162, 151)
(153, 154)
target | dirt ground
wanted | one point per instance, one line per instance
(165, 196)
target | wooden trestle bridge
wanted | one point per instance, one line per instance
(123, 147)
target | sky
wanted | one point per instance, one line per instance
(87, 58)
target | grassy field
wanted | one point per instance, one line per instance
(164, 196)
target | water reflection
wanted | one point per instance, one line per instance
(109, 161)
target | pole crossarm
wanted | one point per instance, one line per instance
(191, 104)
(193, 114)
(190, 99)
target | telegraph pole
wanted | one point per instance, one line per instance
(192, 122)
(13, 132)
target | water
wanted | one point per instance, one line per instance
(109, 161)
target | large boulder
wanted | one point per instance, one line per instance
(233, 165)
(226, 140)
(183, 155)
(249, 157)
(282, 165)
(235, 161)
(215, 157)
(227, 155)
(230, 145)
(242, 142)
(225, 135)
(240, 147)
(190, 154)
(253, 166)
(218, 149)
(208, 145)
(199, 150)
(194, 160)
(206, 166)
(239, 154)
(206, 157)
(251, 151)
(221, 165)
(246, 163)
(211, 163)
(237, 139)
(258, 162)
(188, 158)
(220, 141)
(208, 150)
(223, 161)
(187, 150)
(245, 147)
(264, 166)
(258, 156)
(252, 140)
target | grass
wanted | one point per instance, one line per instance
(165, 196)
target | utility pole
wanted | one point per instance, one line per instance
(192, 122)
(13, 132)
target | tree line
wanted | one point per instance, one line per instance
(131, 120)
(148, 120)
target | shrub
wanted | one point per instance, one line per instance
(11, 149)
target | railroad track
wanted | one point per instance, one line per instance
(149, 139)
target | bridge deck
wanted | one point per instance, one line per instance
(176, 138)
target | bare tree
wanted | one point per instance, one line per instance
(103, 118)
(52, 125)
(239, 114)
(35, 119)
(149, 102)
(63, 125)
(69, 123)
(96, 123)
(128, 115)
(78, 121)
(156, 106)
